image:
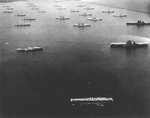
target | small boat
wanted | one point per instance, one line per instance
(28, 19)
(94, 19)
(128, 44)
(22, 25)
(42, 11)
(73, 10)
(61, 8)
(56, 6)
(120, 15)
(29, 49)
(9, 8)
(82, 25)
(108, 11)
(8, 11)
(80, 5)
(20, 14)
(85, 14)
(88, 8)
(35, 8)
(63, 18)
(139, 23)
(5, 6)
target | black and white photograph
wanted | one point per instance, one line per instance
(74, 58)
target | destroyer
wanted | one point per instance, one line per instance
(128, 44)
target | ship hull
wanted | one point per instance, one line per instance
(113, 45)
(142, 24)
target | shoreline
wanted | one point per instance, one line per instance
(97, 3)
(7, 1)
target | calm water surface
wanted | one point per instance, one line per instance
(75, 62)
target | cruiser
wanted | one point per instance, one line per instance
(120, 15)
(82, 25)
(61, 8)
(128, 44)
(22, 25)
(108, 11)
(80, 5)
(28, 19)
(20, 14)
(72, 10)
(88, 8)
(94, 19)
(29, 49)
(63, 18)
(85, 14)
(139, 23)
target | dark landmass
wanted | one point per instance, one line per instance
(10, 0)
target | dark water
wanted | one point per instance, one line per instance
(74, 63)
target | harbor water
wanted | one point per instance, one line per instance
(75, 62)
